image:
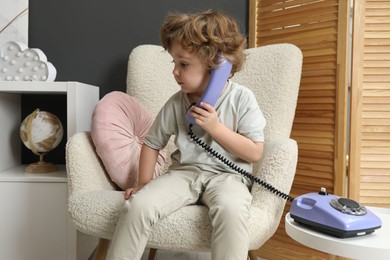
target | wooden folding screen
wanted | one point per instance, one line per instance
(320, 29)
(370, 112)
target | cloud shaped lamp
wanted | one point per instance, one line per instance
(19, 63)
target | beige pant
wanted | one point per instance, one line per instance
(226, 195)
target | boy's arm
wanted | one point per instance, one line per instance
(147, 163)
(235, 143)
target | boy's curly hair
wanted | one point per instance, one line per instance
(208, 34)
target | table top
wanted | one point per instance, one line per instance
(17, 174)
(372, 246)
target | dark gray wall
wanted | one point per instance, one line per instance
(90, 40)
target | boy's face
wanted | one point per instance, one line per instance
(189, 72)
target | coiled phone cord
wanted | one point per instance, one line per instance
(236, 168)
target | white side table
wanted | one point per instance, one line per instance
(373, 246)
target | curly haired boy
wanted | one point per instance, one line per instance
(233, 127)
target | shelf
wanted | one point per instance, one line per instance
(79, 105)
(17, 174)
(35, 87)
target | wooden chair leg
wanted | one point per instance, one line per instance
(152, 253)
(252, 255)
(101, 250)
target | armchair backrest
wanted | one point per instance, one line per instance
(150, 78)
(272, 72)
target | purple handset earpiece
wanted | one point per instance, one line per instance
(218, 78)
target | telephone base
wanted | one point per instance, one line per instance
(336, 216)
(331, 230)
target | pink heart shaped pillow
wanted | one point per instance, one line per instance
(119, 125)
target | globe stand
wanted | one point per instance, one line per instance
(41, 166)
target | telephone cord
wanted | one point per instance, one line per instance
(236, 168)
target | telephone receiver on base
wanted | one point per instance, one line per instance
(217, 81)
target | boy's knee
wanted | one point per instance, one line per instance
(230, 213)
(135, 205)
(142, 209)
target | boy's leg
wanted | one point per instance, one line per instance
(156, 200)
(229, 201)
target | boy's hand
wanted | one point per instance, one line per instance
(131, 191)
(206, 117)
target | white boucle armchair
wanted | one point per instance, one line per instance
(273, 73)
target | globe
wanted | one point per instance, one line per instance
(41, 132)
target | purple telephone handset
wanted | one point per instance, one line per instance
(218, 78)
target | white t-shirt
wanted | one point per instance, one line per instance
(237, 109)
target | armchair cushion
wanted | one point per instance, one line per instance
(95, 208)
(119, 124)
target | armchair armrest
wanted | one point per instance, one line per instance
(277, 168)
(84, 168)
(94, 204)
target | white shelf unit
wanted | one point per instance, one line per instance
(33, 222)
